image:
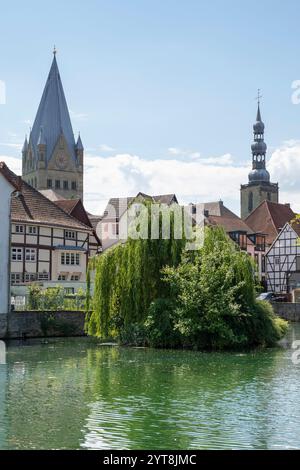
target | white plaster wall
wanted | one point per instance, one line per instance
(5, 195)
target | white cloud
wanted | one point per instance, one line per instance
(124, 175)
(11, 145)
(200, 179)
(106, 148)
(13, 163)
(78, 116)
(284, 167)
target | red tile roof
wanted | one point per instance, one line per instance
(29, 205)
(270, 218)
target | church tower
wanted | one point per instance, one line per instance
(259, 188)
(51, 159)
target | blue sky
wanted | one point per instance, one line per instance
(142, 77)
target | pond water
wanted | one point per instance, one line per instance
(75, 393)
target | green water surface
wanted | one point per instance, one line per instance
(75, 393)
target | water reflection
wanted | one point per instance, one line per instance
(78, 394)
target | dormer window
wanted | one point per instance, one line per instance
(69, 235)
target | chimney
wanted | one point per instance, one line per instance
(287, 204)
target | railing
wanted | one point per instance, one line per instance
(70, 302)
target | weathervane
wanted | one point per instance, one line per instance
(259, 96)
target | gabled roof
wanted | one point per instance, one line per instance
(52, 119)
(218, 214)
(116, 207)
(29, 205)
(51, 194)
(75, 208)
(269, 218)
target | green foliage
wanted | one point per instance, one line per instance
(153, 292)
(54, 298)
(127, 279)
(215, 298)
(160, 328)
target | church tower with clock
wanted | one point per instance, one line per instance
(51, 158)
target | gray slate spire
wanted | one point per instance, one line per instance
(53, 116)
(25, 146)
(79, 145)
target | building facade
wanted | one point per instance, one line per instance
(51, 159)
(6, 189)
(47, 243)
(108, 227)
(283, 263)
(259, 188)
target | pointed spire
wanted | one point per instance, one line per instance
(25, 146)
(259, 150)
(53, 116)
(79, 145)
(258, 115)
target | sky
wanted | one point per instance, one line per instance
(162, 92)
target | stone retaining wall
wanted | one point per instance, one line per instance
(288, 311)
(41, 324)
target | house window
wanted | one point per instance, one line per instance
(57, 184)
(70, 259)
(66, 184)
(277, 260)
(62, 277)
(74, 185)
(19, 228)
(75, 277)
(43, 276)
(32, 230)
(17, 254)
(256, 259)
(49, 184)
(69, 235)
(30, 254)
(243, 241)
(30, 277)
(260, 243)
(16, 278)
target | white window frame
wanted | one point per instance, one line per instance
(20, 229)
(32, 230)
(30, 255)
(70, 259)
(70, 235)
(17, 254)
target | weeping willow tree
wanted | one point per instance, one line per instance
(151, 290)
(127, 277)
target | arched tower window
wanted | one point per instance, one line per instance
(250, 202)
